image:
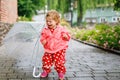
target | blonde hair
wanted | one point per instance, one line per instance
(54, 15)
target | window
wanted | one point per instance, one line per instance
(118, 19)
(102, 20)
(87, 20)
(102, 9)
(114, 19)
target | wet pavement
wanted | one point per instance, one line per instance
(83, 62)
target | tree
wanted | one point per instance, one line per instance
(80, 12)
(60, 5)
(117, 5)
(63, 6)
(83, 5)
(28, 8)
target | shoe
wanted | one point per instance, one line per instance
(61, 76)
(44, 74)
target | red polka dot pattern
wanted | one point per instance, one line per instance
(57, 59)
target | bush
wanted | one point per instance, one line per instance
(23, 18)
(103, 35)
(107, 36)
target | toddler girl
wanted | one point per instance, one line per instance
(54, 39)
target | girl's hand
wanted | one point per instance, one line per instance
(44, 42)
(64, 36)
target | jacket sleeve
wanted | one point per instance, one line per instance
(42, 35)
(65, 31)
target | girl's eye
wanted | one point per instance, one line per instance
(48, 21)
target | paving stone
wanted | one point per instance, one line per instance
(83, 74)
(70, 74)
(83, 62)
(86, 70)
(8, 64)
(113, 74)
(11, 75)
(2, 75)
(100, 74)
(52, 74)
(73, 69)
(28, 75)
(1, 63)
(3, 79)
(6, 71)
(113, 70)
(14, 79)
(99, 71)
(80, 78)
(32, 79)
(113, 78)
(20, 75)
(73, 78)
(100, 78)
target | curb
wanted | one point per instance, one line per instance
(94, 45)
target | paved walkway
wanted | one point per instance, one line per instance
(83, 63)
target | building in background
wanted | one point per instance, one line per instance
(102, 15)
(8, 11)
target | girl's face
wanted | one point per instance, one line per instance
(50, 23)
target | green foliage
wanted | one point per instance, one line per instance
(23, 18)
(62, 6)
(63, 22)
(83, 5)
(85, 35)
(108, 36)
(117, 5)
(103, 35)
(53, 4)
(28, 8)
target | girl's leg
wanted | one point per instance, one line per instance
(47, 62)
(59, 60)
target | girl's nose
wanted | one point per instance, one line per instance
(48, 22)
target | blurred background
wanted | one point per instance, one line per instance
(76, 12)
(94, 21)
(73, 11)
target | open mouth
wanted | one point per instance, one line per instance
(50, 26)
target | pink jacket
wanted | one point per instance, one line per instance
(55, 41)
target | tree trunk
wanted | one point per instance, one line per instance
(78, 21)
(80, 13)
